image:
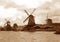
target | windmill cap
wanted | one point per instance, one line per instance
(8, 21)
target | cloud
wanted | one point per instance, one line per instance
(10, 4)
(4, 13)
(56, 1)
(45, 5)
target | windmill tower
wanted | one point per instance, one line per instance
(31, 21)
(7, 25)
(49, 21)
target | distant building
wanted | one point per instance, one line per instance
(49, 22)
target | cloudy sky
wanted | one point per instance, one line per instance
(13, 10)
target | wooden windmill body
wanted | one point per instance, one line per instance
(31, 21)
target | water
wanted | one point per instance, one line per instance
(40, 36)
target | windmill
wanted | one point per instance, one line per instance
(31, 21)
(7, 25)
(49, 21)
(7, 21)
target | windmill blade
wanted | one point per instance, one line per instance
(25, 19)
(47, 15)
(33, 11)
(26, 12)
(5, 19)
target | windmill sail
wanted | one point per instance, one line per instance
(33, 11)
(26, 19)
(26, 12)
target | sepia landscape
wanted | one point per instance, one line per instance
(29, 20)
